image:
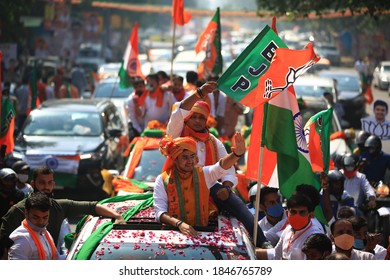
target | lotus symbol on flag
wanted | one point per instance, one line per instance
(290, 78)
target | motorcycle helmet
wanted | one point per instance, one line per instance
(373, 145)
(335, 175)
(350, 162)
(361, 139)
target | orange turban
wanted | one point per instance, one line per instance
(200, 107)
(174, 147)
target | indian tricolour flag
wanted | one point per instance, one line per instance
(65, 167)
(317, 131)
(131, 65)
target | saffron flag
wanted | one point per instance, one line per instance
(131, 65)
(7, 125)
(210, 42)
(180, 16)
(242, 76)
(317, 131)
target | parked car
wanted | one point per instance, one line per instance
(349, 94)
(76, 138)
(315, 86)
(142, 238)
(381, 75)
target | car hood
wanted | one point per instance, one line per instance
(345, 95)
(59, 145)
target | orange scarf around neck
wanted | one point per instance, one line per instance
(141, 99)
(38, 244)
(159, 94)
(211, 145)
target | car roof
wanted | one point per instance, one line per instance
(339, 72)
(91, 105)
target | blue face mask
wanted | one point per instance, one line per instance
(359, 244)
(275, 211)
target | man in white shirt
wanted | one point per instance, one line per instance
(31, 239)
(300, 211)
(378, 125)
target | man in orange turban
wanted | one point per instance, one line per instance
(181, 194)
(189, 118)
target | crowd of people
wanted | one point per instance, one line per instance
(197, 117)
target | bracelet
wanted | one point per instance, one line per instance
(237, 155)
(178, 223)
(199, 93)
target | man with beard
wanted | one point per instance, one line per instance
(43, 181)
(134, 104)
(178, 90)
(31, 240)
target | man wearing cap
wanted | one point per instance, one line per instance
(22, 169)
(8, 193)
(189, 118)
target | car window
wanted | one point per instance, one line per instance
(58, 123)
(386, 68)
(111, 90)
(311, 90)
(150, 166)
(346, 83)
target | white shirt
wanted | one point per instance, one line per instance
(359, 188)
(273, 232)
(24, 247)
(175, 128)
(372, 126)
(357, 254)
(220, 110)
(211, 174)
(152, 112)
(137, 121)
(290, 242)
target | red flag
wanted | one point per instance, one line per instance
(180, 16)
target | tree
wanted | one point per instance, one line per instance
(296, 9)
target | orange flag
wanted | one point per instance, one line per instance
(180, 16)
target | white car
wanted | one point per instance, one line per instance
(381, 75)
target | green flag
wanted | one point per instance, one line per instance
(240, 80)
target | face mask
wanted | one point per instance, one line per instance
(275, 211)
(359, 244)
(344, 241)
(297, 221)
(23, 178)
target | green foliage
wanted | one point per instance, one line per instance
(302, 8)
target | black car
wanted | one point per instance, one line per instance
(76, 138)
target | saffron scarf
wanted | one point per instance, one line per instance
(159, 95)
(38, 244)
(141, 99)
(210, 143)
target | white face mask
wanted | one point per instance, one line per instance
(23, 178)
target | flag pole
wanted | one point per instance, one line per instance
(173, 50)
(259, 172)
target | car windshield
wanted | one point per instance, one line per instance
(105, 90)
(311, 90)
(59, 123)
(149, 166)
(346, 83)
